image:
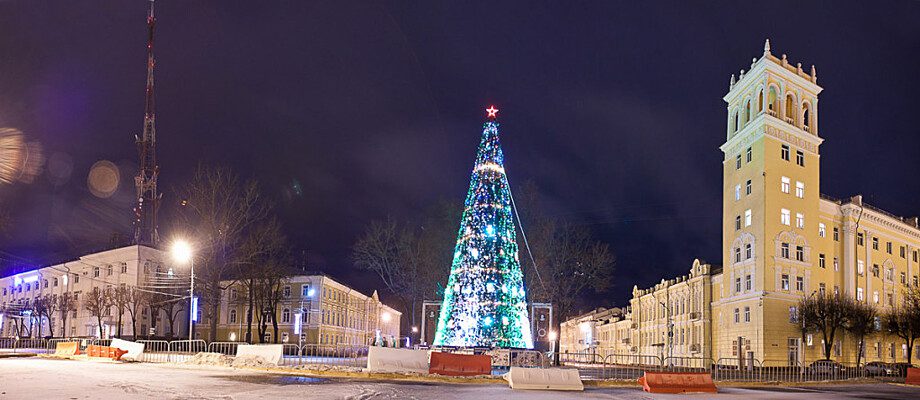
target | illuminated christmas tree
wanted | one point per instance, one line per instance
(484, 300)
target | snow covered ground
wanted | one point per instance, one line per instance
(34, 378)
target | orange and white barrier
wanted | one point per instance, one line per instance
(677, 382)
(544, 379)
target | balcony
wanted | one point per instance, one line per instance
(695, 315)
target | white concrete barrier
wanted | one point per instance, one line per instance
(544, 378)
(134, 349)
(384, 359)
(271, 353)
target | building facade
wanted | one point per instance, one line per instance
(782, 241)
(315, 310)
(126, 266)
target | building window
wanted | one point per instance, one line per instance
(286, 292)
(53, 281)
(305, 291)
(874, 243)
(903, 279)
(737, 222)
(784, 283)
(232, 294)
(822, 289)
(888, 247)
(784, 250)
(748, 251)
(738, 284)
(836, 291)
(737, 315)
(859, 239)
(875, 271)
(747, 217)
(799, 253)
(784, 152)
(836, 234)
(800, 158)
(903, 252)
(95, 272)
(124, 268)
(737, 254)
(232, 318)
(800, 283)
(859, 294)
(785, 217)
(860, 267)
(822, 230)
(784, 184)
(793, 314)
(750, 154)
(737, 192)
(748, 282)
(800, 220)
(747, 314)
(800, 189)
(889, 274)
(821, 261)
(286, 316)
(738, 162)
(836, 264)
(748, 192)
(890, 298)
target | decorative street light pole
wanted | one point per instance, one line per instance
(182, 253)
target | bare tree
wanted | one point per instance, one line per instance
(903, 320)
(267, 258)
(121, 300)
(136, 301)
(219, 210)
(823, 314)
(40, 311)
(268, 292)
(51, 307)
(169, 300)
(861, 321)
(66, 303)
(97, 302)
(413, 259)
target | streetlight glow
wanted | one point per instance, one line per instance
(181, 251)
(385, 317)
(552, 336)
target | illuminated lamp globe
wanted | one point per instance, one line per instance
(181, 251)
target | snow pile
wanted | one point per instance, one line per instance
(250, 361)
(324, 367)
(219, 359)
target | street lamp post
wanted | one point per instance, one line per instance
(182, 253)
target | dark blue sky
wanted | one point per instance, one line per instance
(613, 108)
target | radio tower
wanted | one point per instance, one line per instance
(148, 200)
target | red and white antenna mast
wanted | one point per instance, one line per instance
(148, 200)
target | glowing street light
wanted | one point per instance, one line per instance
(182, 253)
(385, 317)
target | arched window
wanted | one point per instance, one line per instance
(772, 101)
(735, 126)
(760, 102)
(286, 315)
(232, 318)
(791, 110)
(747, 112)
(806, 116)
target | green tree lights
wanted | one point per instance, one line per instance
(484, 300)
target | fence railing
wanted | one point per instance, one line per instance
(590, 365)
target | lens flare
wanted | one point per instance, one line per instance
(20, 160)
(103, 179)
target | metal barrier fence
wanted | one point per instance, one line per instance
(589, 365)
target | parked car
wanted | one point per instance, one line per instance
(877, 368)
(826, 367)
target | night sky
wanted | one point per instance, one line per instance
(349, 112)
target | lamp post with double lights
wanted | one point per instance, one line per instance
(182, 253)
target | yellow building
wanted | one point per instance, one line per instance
(328, 313)
(782, 240)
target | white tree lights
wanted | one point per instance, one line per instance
(484, 300)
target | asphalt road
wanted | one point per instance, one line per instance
(35, 378)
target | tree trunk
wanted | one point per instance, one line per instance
(275, 326)
(249, 313)
(859, 349)
(64, 324)
(214, 306)
(99, 319)
(134, 325)
(910, 348)
(120, 313)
